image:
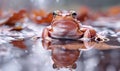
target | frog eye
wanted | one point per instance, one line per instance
(54, 13)
(74, 14)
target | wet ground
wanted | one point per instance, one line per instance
(24, 51)
(22, 48)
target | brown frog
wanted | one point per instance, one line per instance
(65, 26)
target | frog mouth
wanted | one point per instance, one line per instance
(64, 24)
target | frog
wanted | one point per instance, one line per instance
(66, 26)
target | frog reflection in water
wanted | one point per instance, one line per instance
(65, 53)
(65, 26)
(62, 58)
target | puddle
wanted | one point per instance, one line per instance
(58, 55)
